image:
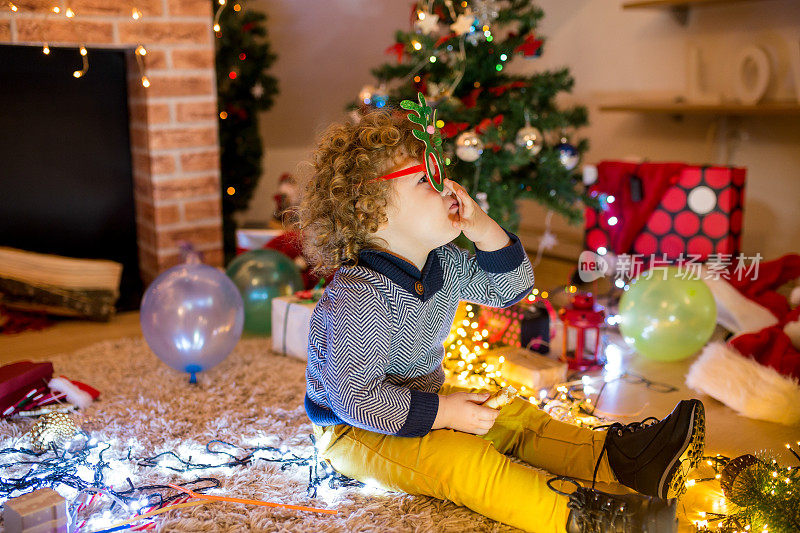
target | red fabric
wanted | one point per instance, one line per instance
(19, 378)
(760, 285)
(91, 391)
(770, 346)
(614, 179)
(291, 244)
(16, 320)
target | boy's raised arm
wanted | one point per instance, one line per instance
(359, 343)
(497, 278)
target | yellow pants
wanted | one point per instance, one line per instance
(473, 470)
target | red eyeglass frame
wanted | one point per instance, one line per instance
(420, 168)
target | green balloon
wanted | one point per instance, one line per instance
(667, 318)
(260, 276)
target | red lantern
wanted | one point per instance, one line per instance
(582, 316)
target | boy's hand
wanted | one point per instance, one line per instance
(470, 219)
(474, 222)
(462, 411)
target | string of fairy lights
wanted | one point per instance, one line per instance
(97, 477)
(136, 15)
(103, 497)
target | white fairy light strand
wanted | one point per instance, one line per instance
(222, 4)
(69, 13)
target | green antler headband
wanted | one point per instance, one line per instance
(426, 117)
(423, 115)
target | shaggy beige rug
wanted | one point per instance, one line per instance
(253, 398)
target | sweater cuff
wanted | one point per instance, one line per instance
(502, 260)
(421, 415)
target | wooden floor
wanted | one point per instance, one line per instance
(727, 433)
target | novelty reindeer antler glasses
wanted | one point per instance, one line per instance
(425, 117)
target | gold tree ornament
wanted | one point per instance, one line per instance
(52, 428)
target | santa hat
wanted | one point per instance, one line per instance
(757, 371)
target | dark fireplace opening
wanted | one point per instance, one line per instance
(66, 183)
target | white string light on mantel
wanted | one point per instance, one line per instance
(222, 4)
(69, 13)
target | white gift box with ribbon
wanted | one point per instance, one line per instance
(291, 319)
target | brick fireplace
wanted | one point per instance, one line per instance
(173, 122)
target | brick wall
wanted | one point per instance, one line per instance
(173, 122)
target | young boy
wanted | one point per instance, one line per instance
(381, 218)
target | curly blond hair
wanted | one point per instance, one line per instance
(340, 206)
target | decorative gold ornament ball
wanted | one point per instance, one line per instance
(52, 428)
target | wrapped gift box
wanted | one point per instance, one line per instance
(524, 367)
(526, 326)
(254, 238)
(41, 511)
(698, 216)
(291, 319)
(669, 210)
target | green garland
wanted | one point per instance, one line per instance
(765, 495)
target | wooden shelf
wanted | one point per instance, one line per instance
(684, 108)
(668, 4)
(678, 8)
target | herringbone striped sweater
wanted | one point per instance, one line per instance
(375, 346)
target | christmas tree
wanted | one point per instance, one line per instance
(504, 137)
(243, 88)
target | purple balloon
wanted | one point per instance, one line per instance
(192, 317)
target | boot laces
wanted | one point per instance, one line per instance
(621, 428)
(592, 513)
(632, 427)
